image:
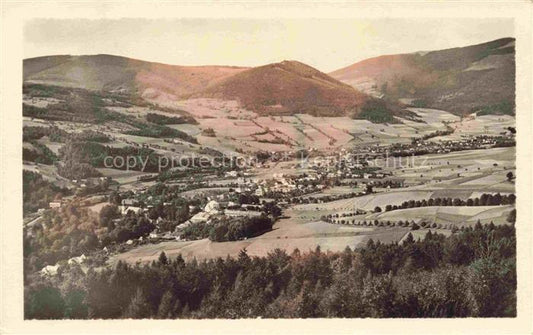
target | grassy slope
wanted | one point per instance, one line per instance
(458, 80)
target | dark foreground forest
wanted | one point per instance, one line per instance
(469, 274)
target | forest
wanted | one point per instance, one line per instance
(472, 273)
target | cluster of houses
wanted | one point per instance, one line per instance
(230, 209)
(51, 270)
(440, 147)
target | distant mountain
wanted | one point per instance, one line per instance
(289, 87)
(116, 74)
(459, 80)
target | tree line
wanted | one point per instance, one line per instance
(486, 199)
(225, 229)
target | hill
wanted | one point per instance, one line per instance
(459, 80)
(284, 88)
(121, 74)
(292, 87)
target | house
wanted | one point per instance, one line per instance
(231, 174)
(200, 217)
(154, 234)
(238, 213)
(233, 205)
(77, 260)
(55, 204)
(183, 225)
(212, 207)
(259, 192)
(129, 202)
(125, 209)
(50, 270)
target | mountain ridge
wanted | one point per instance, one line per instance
(287, 87)
(460, 80)
(118, 73)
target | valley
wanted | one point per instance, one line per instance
(386, 188)
(342, 154)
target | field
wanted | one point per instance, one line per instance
(481, 125)
(287, 234)
(469, 170)
(366, 202)
(336, 190)
(448, 215)
(236, 127)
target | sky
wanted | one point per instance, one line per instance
(326, 44)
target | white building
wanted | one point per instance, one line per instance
(50, 270)
(200, 217)
(212, 207)
(125, 209)
(237, 213)
(77, 260)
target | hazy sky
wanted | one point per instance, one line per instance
(327, 44)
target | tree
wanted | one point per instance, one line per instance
(377, 209)
(107, 214)
(511, 218)
(379, 296)
(273, 209)
(409, 239)
(75, 306)
(163, 258)
(138, 307)
(306, 302)
(167, 307)
(45, 303)
(509, 176)
(115, 198)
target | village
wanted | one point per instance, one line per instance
(246, 193)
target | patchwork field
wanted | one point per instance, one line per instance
(474, 170)
(234, 127)
(447, 215)
(366, 202)
(480, 125)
